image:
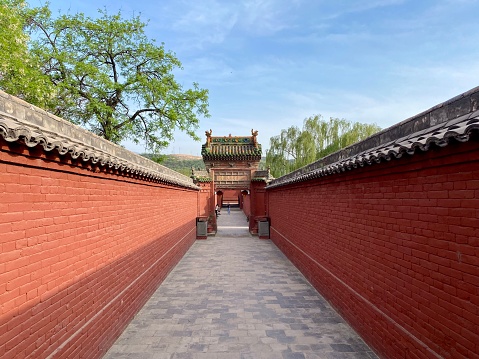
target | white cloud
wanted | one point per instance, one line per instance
(360, 6)
(206, 21)
(211, 22)
(266, 17)
(271, 63)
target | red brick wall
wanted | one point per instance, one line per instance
(258, 205)
(204, 199)
(258, 194)
(230, 196)
(394, 247)
(81, 252)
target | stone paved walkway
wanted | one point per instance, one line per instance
(234, 296)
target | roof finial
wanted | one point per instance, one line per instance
(254, 134)
(208, 137)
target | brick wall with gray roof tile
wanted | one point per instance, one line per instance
(454, 119)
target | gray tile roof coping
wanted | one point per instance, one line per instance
(454, 119)
(24, 123)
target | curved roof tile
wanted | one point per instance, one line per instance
(27, 124)
(455, 119)
(228, 148)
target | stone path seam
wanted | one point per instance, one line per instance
(234, 296)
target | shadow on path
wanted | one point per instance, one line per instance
(234, 296)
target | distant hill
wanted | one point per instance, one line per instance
(183, 163)
(182, 157)
(178, 162)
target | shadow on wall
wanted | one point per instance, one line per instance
(96, 308)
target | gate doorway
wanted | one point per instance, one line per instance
(232, 178)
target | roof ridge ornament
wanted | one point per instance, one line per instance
(253, 137)
(232, 148)
(208, 137)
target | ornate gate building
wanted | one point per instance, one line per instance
(232, 177)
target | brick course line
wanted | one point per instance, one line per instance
(61, 346)
(404, 330)
(234, 296)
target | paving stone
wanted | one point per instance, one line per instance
(342, 348)
(234, 296)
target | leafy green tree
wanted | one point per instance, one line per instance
(20, 73)
(106, 75)
(294, 148)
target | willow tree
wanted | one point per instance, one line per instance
(109, 77)
(294, 148)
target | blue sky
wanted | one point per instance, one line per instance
(269, 64)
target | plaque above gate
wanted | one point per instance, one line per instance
(232, 179)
